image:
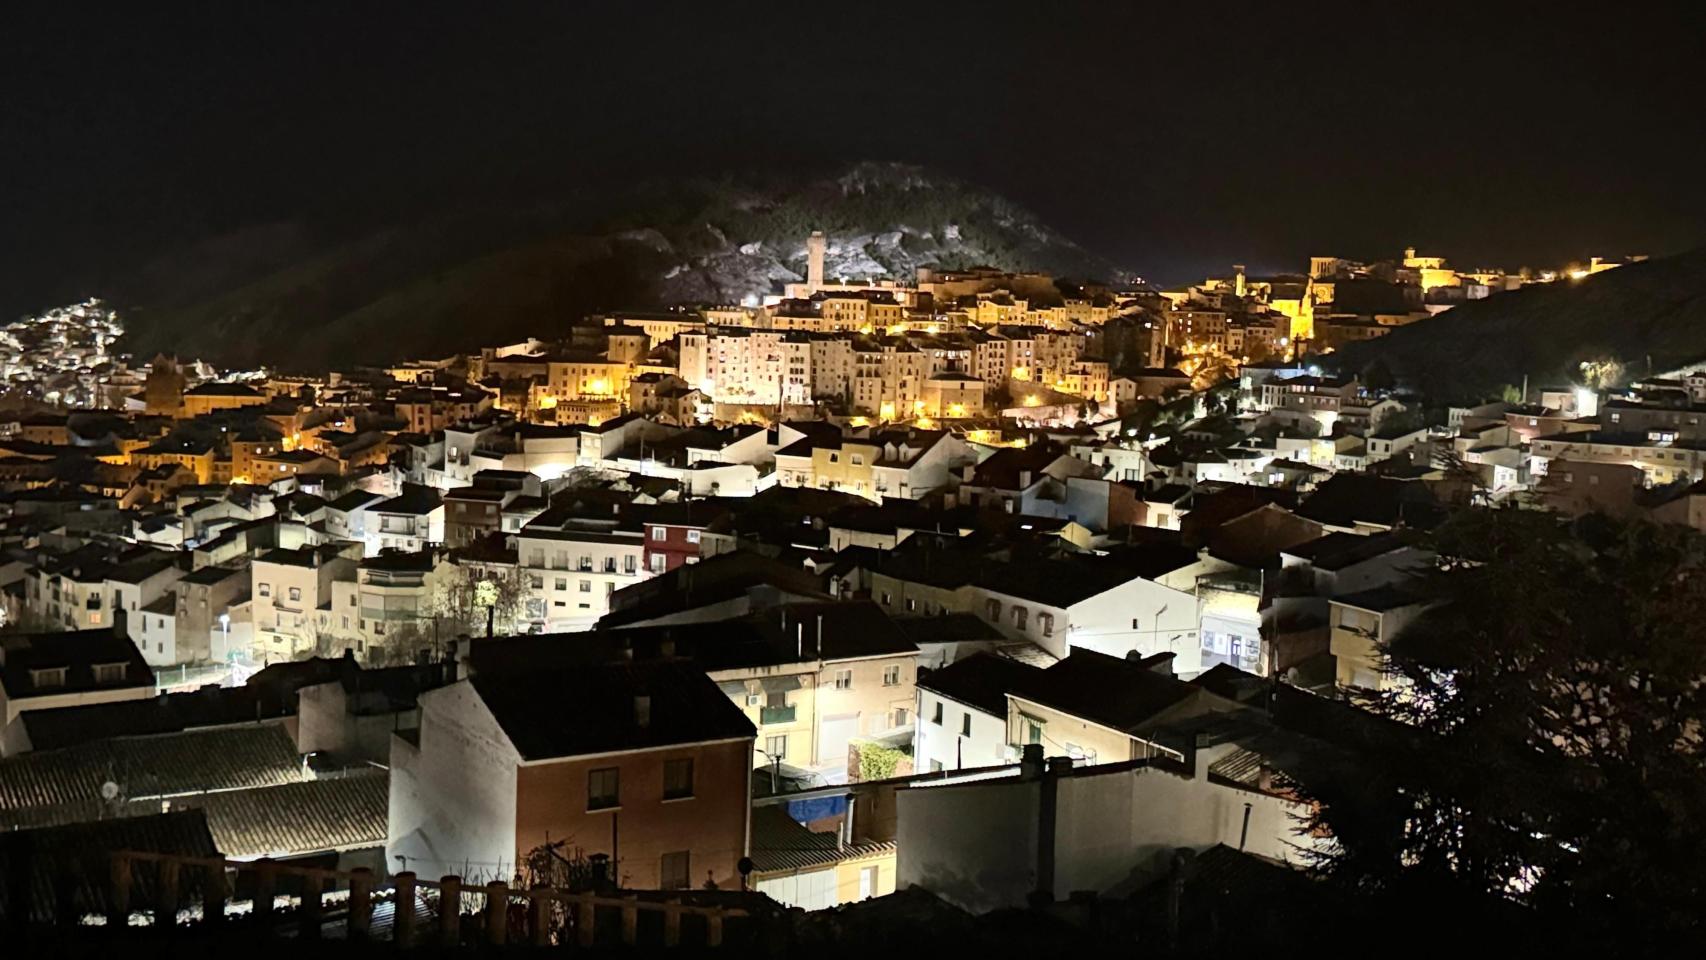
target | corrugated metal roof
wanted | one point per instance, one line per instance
(64, 786)
(314, 816)
(780, 844)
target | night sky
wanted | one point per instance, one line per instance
(1172, 143)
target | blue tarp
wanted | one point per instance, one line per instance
(805, 811)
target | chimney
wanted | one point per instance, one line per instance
(1024, 478)
(814, 261)
(642, 710)
(1196, 756)
(1031, 762)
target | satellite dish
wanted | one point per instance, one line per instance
(109, 791)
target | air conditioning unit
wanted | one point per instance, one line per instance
(753, 699)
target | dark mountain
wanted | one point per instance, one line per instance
(1644, 316)
(278, 294)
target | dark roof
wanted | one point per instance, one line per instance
(549, 714)
(1388, 597)
(1345, 499)
(166, 713)
(948, 628)
(981, 681)
(64, 786)
(75, 860)
(1335, 551)
(354, 499)
(213, 389)
(1117, 693)
(415, 499)
(78, 652)
(1064, 581)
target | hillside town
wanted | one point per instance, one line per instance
(987, 590)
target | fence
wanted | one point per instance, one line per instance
(579, 911)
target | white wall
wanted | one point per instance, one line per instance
(944, 744)
(1104, 623)
(454, 799)
(974, 845)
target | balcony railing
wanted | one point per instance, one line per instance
(770, 715)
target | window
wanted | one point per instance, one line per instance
(266, 589)
(775, 748)
(1046, 621)
(887, 598)
(900, 716)
(677, 779)
(295, 594)
(1020, 614)
(692, 536)
(48, 677)
(891, 676)
(835, 458)
(629, 564)
(586, 586)
(1033, 729)
(562, 583)
(843, 679)
(911, 604)
(658, 562)
(673, 871)
(109, 672)
(992, 611)
(603, 789)
(658, 533)
(610, 564)
(936, 717)
(965, 724)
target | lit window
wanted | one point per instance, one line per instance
(658, 533)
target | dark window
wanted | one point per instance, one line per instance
(677, 779)
(603, 789)
(965, 725)
(673, 871)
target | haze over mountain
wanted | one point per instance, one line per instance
(1647, 316)
(277, 294)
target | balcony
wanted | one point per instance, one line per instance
(774, 715)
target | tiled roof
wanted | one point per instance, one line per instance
(781, 844)
(64, 786)
(76, 857)
(292, 819)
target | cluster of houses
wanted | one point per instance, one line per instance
(450, 619)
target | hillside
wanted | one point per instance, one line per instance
(1644, 315)
(276, 294)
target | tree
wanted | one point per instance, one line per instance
(466, 594)
(1556, 687)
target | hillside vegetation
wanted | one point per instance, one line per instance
(1644, 316)
(276, 295)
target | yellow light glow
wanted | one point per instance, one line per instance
(933, 328)
(599, 387)
(1033, 401)
(886, 411)
(1577, 274)
(925, 423)
(1021, 373)
(859, 422)
(917, 406)
(547, 401)
(593, 421)
(897, 328)
(956, 409)
(240, 478)
(866, 329)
